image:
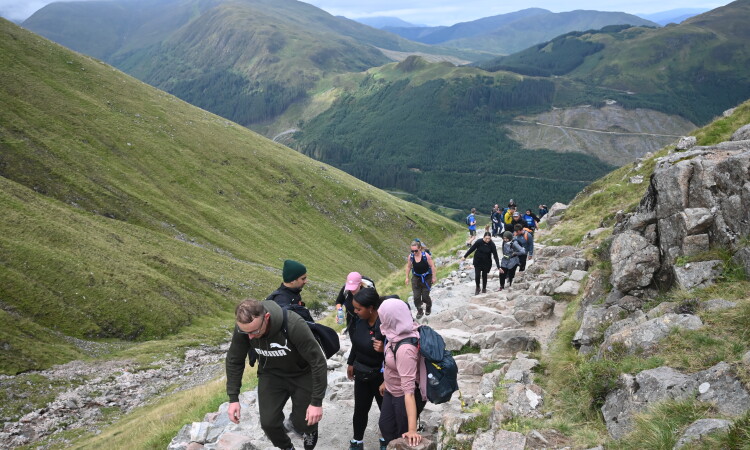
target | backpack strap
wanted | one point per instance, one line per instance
(411, 341)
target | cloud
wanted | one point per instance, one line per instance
(18, 11)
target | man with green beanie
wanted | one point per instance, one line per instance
(294, 276)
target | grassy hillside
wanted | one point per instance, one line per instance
(247, 60)
(458, 154)
(695, 69)
(129, 214)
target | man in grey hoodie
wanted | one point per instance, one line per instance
(290, 364)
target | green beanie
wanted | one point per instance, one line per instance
(292, 270)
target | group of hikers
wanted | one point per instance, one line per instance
(517, 233)
(291, 363)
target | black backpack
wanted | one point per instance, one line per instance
(299, 308)
(327, 337)
(442, 371)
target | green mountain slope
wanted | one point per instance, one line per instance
(509, 33)
(437, 131)
(247, 60)
(129, 214)
(695, 69)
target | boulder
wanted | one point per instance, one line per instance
(639, 392)
(686, 143)
(539, 306)
(569, 287)
(695, 244)
(697, 274)
(454, 338)
(646, 335)
(555, 213)
(499, 440)
(510, 341)
(401, 444)
(594, 290)
(568, 264)
(521, 369)
(595, 320)
(742, 134)
(634, 261)
(719, 386)
(525, 400)
(578, 275)
(718, 304)
(700, 428)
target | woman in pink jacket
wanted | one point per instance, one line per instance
(405, 378)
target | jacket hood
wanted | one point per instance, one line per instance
(396, 321)
(276, 318)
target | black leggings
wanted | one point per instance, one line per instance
(483, 273)
(393, 419)
(509, 274)
(364, 392)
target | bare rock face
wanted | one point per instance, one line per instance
(700, 428)
(499, 440)
(717, 385)
(686, 143)
(646, 335)
(697, 274)
(634, 261)
(743, 134)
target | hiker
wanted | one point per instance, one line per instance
(405, 377)
(485, 251)
(542, 211)
(420, 269)
(365, 361)
(471, 221)
(509, 263)
(294, 277)
(531, 220)
(293, 367)
(525, 239)
(508, 216)
(497, 220)
(354, 282)
(516, 220)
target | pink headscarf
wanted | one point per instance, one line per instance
(397, 324)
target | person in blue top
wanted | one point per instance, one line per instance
(471, 221)
(531, 220)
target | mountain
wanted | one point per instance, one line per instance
(694, 69)
(247, 60)
(512, 32)
(129, 215)
(437, 131)
(383, 22)
(673, 15)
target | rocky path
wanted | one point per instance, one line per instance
(499, 327)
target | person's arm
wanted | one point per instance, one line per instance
(408, 269)
(494, 254)
(412, 437)
(518, 249)
(471, 249)
(432, 267)
(235, 368)
(341, 299)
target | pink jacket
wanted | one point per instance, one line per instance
(403, 372)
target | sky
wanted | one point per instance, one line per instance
(437, 12)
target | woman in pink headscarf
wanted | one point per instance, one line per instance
(405, 377)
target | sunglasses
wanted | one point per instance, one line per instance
(254, 332)
(415, 251)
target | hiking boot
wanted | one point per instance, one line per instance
(309, 440)
(428, 310)
(476, 291)
(354, 445)
(484, 290)
(420, 313)
(499, 289)
(383, 444)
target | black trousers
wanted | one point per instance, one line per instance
(479, 272)
(393, 419)
(522, 262)
(508, 274)
(273, 393)
(364, 392)
(421, 292)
